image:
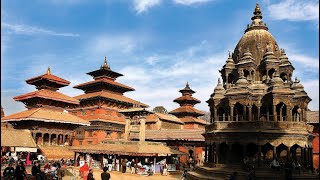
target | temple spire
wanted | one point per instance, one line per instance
(257, 22)
(257, 13)
(105, 64)
(48, 71)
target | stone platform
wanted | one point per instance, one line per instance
(223, 172)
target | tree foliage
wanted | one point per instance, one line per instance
(160, 109)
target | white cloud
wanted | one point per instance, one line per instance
(31, 30)
(143, 5)
(295, 10)
(190, 2)
(312, 88)
(120, 43)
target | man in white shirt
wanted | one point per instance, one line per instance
(275, 164)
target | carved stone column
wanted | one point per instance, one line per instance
(231, 112)
(215, 114)
(250, 113)
(289, 114)
(258, 107)
(274, 152)
(63, 139)
(142, 133)
(42, 139)
(50, 139)
(274, 113)
(244, 113)
(126, 129)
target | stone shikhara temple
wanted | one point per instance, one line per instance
(257, 111)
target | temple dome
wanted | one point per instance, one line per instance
(256, 39)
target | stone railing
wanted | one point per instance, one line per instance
(258, 125)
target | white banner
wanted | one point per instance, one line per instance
(25, 149)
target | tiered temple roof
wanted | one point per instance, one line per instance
(46, 104)
(105, 87)
(186, 112)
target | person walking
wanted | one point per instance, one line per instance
(8, 173)
(90, 175)
(124, 165)
(165, 169)
(20, 171)
(133, 165)
(105, 175)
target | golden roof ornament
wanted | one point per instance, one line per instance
(48, 71)
(187, 85)
(105, 64)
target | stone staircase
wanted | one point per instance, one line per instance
(223, 172)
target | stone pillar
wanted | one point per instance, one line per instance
(311, 157)
(259, 155)
(302, 159)
(142, 133)
(250, 113)
(244, 113)
(301, 117)
(209, 158)
(215, 114)
(34, 137)
(216, 152)
(42, 139)
(231, 112)
(289, 114)
(288, 153)
(205, 153)
(274, 112)
(63, 139)
(127, 129)
(50, 139)
(258, 107)
(274, 152)
(280, 114)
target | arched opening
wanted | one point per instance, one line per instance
(254, 113)
(231, 78)
(284, 77)
(296, 113)
(295, 151)
(38, 139)
(246, 74)
(281, 109)
(53, 139)
(236, 154)
(267, 153)
(282, 152)
(46, 139)
(251, 150)
(271, 72)
(221, 114)
(191, 153)
(264, 114)
(223, 153)
(238, 110)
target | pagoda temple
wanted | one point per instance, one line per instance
(46, 117)
(102, 99)
(186, 112)
(258, 113)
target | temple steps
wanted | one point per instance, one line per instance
(225, 171)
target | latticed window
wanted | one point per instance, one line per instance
(90, 133)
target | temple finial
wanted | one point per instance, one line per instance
(105, 64)
(219, 81)
(49, 71)
(257, 9)
(187, 85)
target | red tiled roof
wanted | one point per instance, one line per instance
(104, 80)
(48, 94)
(168, 117)
(49, 77)
(313, 117)
(193, 120)
(186, 109)
(57, 152)
(134, 148)
(104, 118)
(172, 134)
(110, 95)
(39, 114)
(16, 138)
(186, 98)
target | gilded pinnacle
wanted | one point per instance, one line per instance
(49, 71)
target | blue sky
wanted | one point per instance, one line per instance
(158, 45)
